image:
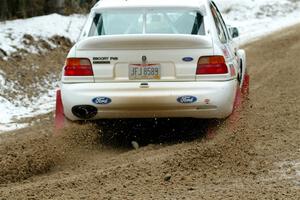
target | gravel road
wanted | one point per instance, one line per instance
(256, 158)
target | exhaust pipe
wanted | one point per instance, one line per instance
(84, 111)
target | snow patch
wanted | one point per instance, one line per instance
(289, 170)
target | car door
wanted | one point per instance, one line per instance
(229, 47)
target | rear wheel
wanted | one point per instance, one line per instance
(240, 76)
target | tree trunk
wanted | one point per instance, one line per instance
(22, 9)
(4, 13)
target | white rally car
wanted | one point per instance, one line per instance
(152, 59)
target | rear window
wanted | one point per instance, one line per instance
(147, 22)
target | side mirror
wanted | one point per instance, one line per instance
(234, 31)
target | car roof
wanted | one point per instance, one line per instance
(106, 4)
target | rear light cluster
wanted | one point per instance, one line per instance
(78, 67)
(211, 65)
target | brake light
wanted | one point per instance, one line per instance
(78, 67)
(211, 65)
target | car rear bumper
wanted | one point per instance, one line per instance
(158, 99)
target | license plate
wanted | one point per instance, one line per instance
(144, 71)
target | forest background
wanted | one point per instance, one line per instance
(15, 9)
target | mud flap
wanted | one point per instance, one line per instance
(245, 87)
(241, 95)
(59, 120)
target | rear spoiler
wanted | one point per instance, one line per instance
(157, 41)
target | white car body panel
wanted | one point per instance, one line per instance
(130, 100)
(213, 95)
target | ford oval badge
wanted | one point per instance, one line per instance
(187, 59)
(101, 100)
(187, 99)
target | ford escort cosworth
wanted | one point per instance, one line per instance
(152, 59)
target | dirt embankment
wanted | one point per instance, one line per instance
(28, 75)
(257, 159)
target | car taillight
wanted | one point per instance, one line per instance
(78, 67)
(211, 65)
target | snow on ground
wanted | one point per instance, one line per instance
(44, 27)
(11, 40)
(11, 112)
(254, 18)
